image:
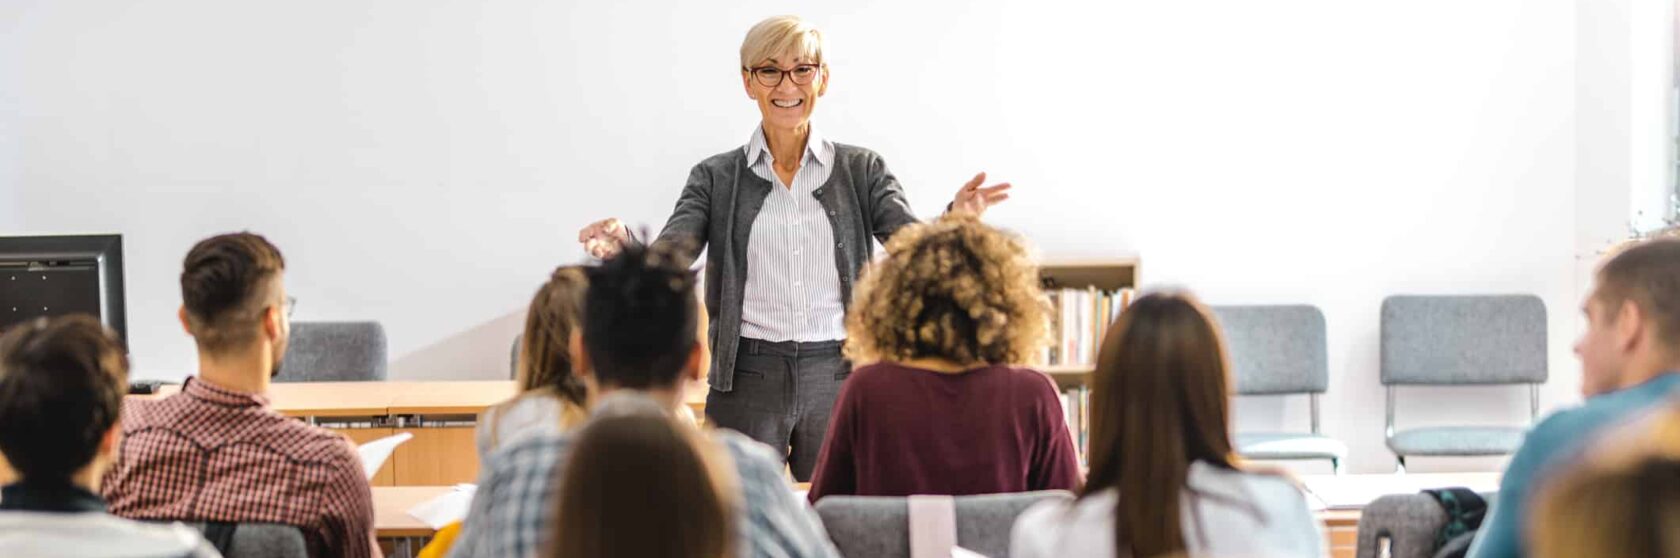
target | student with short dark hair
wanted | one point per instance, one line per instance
(61, 390)
(1630, 354)
(216, 452)
(1164, 480)
(941, 403)
(643, 338)
(639, 471)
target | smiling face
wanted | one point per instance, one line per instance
(786, 105)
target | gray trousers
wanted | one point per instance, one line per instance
(784, 393)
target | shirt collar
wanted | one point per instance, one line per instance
(58, 497)
(815, 146)
(201, 389)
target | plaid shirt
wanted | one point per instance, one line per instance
(209, 454)
(513, 510)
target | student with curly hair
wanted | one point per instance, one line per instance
(940, 403)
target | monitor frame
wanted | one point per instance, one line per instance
(104, 250)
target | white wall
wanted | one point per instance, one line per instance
(424, 163)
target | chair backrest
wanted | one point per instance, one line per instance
(335, 352)
(513, 358)
(1276, 349)
(879, 526)
(1488, 339)
(261, 540)
(1401, 526)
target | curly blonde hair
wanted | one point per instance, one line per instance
(955, 289)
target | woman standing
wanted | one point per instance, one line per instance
(789, 219)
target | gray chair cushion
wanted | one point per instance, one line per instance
(878, 526)
(264, 540)
(1409, 521)
(335, 352)
(1463, 340)
(1457, 441)
(1276, 349)
(1286, 445)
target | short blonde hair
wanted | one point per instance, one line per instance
(780, 35)
(955, 289)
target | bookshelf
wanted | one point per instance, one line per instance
(1085, 296)
(1105, 275)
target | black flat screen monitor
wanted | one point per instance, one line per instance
(60, 275)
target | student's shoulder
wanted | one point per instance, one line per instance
(751, 456)
(879, 373)
(1029, 380)
(543, 450)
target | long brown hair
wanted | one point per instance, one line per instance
(545, 359)
(645, 486)
(1159, 402)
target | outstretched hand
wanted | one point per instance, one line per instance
(974, 198)
(604, 238)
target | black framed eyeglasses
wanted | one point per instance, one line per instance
(291, 306)
(771, 76)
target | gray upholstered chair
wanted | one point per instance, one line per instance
(1280, 350)
(335, 352)
(1401, 526)
(513, 358)
(879, 526)
(259, 540)
(1461, 340)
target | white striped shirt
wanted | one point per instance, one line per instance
(793, 284)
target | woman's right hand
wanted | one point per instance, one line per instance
(604, 238)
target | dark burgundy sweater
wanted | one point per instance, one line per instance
(898, 431)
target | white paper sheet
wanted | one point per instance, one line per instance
(447, 508)
(376, 452)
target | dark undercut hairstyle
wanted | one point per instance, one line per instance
(61, 387)
(225, 284)
(1647, 273)
(640, 316)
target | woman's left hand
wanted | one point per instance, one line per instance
(974, 198)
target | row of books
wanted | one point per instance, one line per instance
(1076, 403)
(1079, 319)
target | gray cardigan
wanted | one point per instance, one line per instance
(723, 196)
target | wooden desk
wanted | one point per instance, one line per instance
(391, 505)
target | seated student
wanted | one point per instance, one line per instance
(642, 333)
(551, 397)
(635, 467)
(61, 388)
(216, 452)
(1629, 356)
(940, 405)
(1164, 480)
(1622, 499)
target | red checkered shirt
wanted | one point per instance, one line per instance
(210, 454)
